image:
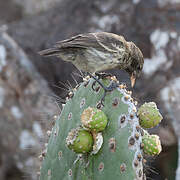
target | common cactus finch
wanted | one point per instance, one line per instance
(94, 52)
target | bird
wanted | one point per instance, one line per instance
(100, 51)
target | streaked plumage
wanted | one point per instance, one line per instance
(93, 52)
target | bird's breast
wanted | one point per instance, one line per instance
(93, 60)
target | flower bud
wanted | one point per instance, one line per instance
(149, 115)
(94, 119)
(79, 140)
(152, 144)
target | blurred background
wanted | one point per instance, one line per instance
(32, 88)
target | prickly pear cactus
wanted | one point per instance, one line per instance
(119, 154)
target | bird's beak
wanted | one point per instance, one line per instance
(133, 79)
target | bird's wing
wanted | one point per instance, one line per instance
(101, 41)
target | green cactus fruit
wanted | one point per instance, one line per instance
(149, 115)
(94, 119)
(152, 144)
(79, 140)
(117, 151)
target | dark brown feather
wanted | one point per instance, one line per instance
(49, 52)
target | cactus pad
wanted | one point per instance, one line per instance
(118, 154)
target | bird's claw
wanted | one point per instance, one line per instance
(93, 84)
(109, 88)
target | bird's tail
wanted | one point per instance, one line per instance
(50, 52)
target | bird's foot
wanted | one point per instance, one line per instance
(99, 76)
(96, 80)
(109, 88)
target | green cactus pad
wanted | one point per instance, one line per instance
(79, 140)
(94, 119)
(152, 144)
(116, 155)
(149, 115)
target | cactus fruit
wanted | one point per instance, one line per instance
(152, 144)
(94, 119)
(149, 115)
(79, 140)
(117, 149)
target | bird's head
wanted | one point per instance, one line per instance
(137, 61)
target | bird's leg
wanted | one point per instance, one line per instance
(109, 88)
